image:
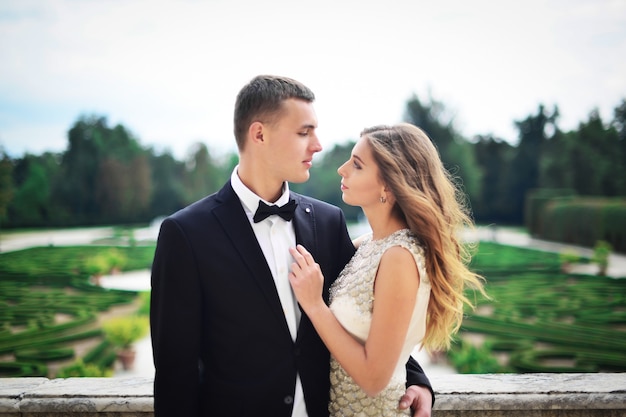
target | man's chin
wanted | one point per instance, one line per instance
(300, 178)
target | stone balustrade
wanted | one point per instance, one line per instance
(487, 395)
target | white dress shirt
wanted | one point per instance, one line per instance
(275, 236)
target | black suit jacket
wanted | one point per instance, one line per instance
(220, 339)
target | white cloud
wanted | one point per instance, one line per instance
(170, 70)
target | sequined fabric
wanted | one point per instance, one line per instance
(351, 300)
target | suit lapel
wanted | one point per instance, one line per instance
(236, 225)
(304, 224)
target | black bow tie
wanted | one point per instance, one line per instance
(264, 211)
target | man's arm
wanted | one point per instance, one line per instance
(419, 394)
(415, 376)
(175, 317)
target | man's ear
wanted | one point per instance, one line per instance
(255, 132)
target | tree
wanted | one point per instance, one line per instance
(493, 156)
(203, 174)
(31, 203)
(455, 151)
(167, 177)
(106, 174)
(141, 185)
(619, 124)
(523, 174)
(589, 160)
(596, 158)
(6, 183)
(80, 165)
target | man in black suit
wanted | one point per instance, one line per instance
(227, 334)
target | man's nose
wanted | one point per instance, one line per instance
(316, 145)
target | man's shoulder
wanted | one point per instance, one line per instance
(304, 199)
(205, 205)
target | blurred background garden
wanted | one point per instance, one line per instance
(58, 320)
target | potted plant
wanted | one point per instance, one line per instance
(123, 332)
(96, 266)
(116, 260)
(601, 252)
(567, 258)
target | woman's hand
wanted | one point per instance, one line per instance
(306, 279)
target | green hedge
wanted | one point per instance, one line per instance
(583, 221)
(541, 319)
(535, 202)
(44, 355)
(22, 369)
(39, 284)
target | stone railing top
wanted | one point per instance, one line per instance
(584, 383)
(470, 393)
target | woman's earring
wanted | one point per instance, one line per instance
(383, 200)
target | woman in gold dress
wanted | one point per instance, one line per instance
(405, 284)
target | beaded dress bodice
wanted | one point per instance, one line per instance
(351, 301)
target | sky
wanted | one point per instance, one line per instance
(169, 71)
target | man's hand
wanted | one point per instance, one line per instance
(420, 399)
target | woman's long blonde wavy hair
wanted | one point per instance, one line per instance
(436, 212)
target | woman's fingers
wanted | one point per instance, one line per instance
(301, 256)
(308, 258)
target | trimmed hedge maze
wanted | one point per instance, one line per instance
(542, 320)
(539, 319)
(47, 304)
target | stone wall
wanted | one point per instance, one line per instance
(489, 395)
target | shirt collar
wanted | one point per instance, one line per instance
(249, 199)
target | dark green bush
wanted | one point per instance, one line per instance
(44, 355)
(535, 203)
(586, 220)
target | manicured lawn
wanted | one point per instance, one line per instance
(540, 319)
(48, 303)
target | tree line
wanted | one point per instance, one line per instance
(105, 176)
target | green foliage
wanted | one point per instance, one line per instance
(493, 155)
(535, 203)
(567, 258)
(47, 304)
(523, 174)
(144, 307)
(124, 331)
(22, 369)
(6, 184)
(105, 262)
(106, 177)
(97, 265)
(601, 252)
(469, 359)
(544, 320)
(81, 369)
(117, 259)
(604, 219)
(44, 355)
